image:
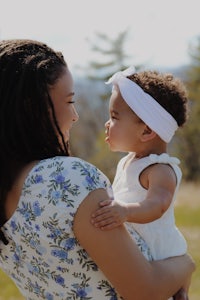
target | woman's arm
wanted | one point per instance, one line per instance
(117, 255)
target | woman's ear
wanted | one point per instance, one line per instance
(147, 134)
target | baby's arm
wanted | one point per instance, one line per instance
(160, 181)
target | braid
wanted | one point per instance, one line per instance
(27, 69)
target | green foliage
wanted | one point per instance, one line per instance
(189, 139)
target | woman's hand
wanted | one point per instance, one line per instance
(181, 295)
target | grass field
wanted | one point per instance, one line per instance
(187, 213)
(188, 220)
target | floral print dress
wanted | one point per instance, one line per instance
(43, 257)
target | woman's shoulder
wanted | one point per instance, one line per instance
(67, 168)
(64, 162)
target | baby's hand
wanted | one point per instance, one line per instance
(110, 215)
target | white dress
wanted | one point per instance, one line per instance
(162, 236)
(43, 257)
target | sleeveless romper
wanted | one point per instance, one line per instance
(162, 236)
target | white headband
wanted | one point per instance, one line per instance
(144, 105)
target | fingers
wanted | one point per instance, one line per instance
(106, 224)
(108, 216)
(104, 220)
(105, 202)
(100, 214)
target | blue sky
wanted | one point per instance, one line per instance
(159, 31)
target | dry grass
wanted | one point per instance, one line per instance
(189, 195)
(188, 220)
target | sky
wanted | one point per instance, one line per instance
(159, 32)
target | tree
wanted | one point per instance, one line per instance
(112, 53)
(189, 138)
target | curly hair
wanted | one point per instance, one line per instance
(27, 69)
(167, 90)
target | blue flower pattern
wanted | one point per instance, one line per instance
(43, 257)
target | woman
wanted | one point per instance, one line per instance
(48, 246)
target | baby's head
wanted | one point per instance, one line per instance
(158, 99)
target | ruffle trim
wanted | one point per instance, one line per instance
(164, 158)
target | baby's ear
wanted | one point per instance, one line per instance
(148, 134)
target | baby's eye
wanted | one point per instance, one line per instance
(113, 117)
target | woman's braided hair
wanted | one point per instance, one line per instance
(27, 69)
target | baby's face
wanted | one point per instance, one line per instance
(124, 128)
